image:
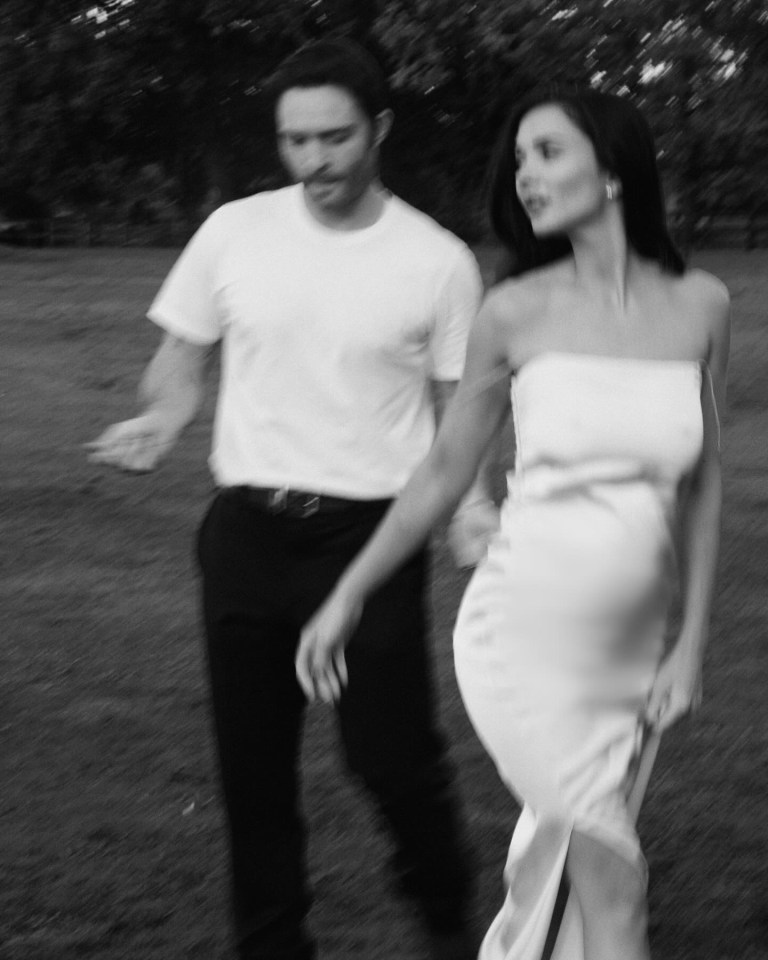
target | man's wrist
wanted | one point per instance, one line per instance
(167, 423)
(472, 502)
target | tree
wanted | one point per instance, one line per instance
(697, 68)
(54, 110)
(92, 93)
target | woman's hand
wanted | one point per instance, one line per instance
(471, 529)
(676, 690)
(320, 665)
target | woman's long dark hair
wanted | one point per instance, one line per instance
(624, 147)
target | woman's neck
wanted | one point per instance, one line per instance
(604, 262)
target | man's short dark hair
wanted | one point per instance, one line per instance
(339, 62)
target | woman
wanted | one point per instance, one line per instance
(617, 356)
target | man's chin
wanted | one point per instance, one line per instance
(322, 190)
(336, 201)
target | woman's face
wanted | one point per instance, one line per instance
(559, 181)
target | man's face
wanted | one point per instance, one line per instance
(327, 142)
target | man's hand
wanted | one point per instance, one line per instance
(137, 445)
(470, 530)
(170, 393)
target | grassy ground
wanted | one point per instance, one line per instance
(111, 828)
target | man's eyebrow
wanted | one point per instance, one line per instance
(324, 132)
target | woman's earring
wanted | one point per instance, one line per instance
(609, 191)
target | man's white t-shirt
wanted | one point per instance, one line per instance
(329, 340)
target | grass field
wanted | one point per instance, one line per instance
(112, 842)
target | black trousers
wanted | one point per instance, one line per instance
(263, 575)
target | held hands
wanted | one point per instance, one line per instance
(320, 665)
(470, 530)
(137, 445)
(676, 690)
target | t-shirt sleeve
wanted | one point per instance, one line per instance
(185, 305)
(458, 301)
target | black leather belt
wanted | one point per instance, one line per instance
(295, 503)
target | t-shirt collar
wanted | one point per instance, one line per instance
(340, 236)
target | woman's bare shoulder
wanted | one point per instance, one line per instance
(518, 297)
(707, 297)
(705, 290)
(699, 308)
(519, 308)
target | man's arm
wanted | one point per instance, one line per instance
(170, 396)
(477, 517)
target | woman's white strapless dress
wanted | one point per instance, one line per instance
(561, 630)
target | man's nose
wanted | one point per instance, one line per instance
(315, 157)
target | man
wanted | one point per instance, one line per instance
(342, 313)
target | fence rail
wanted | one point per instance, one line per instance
(722, 231)
(715, 231)
(59, 232)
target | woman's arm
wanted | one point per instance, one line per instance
(476, 518)
(431, 494)
(677, 689)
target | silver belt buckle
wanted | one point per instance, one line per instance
(310, 507)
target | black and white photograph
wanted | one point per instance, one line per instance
(384, 420)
